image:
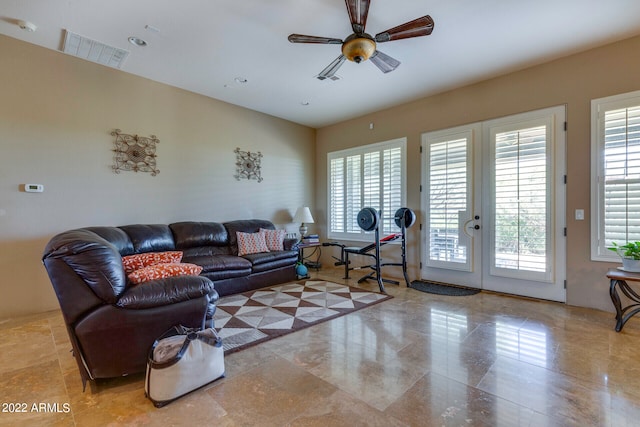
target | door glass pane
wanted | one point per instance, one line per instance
(521, 199)
(447, 200)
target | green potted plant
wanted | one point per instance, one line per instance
(630, 254)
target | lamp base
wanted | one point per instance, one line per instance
(303, 230)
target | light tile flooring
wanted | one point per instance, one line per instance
(418, 359)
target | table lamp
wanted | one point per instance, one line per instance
(303, 216)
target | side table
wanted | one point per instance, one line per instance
(618, 280)
(307, 260)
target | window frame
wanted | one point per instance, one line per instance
(361, 151)
(599, 107)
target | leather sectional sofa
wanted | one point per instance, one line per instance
(113, 323)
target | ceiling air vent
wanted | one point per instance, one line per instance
(94, 51)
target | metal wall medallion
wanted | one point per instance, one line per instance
(248, 165)
(134, 153)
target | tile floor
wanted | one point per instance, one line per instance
(416, 360)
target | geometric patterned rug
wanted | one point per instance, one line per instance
(246, 319)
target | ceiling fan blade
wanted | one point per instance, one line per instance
(301, 38)
(330, 71)
(358, 11)
(384, 62)
(422, 26)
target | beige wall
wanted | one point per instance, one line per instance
(57, 112)
(573, 81)
(56, 115)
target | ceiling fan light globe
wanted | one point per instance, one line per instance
(358, 49)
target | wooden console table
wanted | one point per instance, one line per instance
(619, 280)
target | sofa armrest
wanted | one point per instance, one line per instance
(166, 291)
(290, 244)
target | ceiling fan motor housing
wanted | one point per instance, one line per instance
(358, 47)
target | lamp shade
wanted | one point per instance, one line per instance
(303, 215)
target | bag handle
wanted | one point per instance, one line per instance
(190, 335)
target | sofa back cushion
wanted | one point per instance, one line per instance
(150, 238)
(197, 234)
(116, 236)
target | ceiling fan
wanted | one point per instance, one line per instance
(360, 46)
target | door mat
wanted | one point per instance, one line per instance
(442, 288)
(256, 316)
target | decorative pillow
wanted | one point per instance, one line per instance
(161, 271)
(251, 243)
(132, 263)
(274, 239)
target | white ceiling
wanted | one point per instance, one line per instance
(204, 45)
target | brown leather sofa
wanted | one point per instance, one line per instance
(112, 323)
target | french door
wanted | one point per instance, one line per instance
(493, 197)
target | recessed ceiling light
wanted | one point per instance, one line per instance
(27, 26)
(137, 41)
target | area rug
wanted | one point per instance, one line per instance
(442, 288)
(252, 317)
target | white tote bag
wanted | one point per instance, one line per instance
(182, 360)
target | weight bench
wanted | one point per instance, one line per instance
(368, 219)
(366, 251)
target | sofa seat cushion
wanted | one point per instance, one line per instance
(207, 251)
(166, 291)
(270, 260)
(218, 267)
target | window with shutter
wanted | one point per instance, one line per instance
(615, 172)
(368, 176)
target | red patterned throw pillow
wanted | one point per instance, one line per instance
(251, 243)
(132, 263)
(274, 239)
(161, 271)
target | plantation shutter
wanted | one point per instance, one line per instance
(369, 176)
(615, 207)
(337, 193)
(621, 175)
(392, 188)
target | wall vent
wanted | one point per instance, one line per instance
(94, 51)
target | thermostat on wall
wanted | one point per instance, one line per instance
(34, 188)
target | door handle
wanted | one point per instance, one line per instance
(467, 226)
